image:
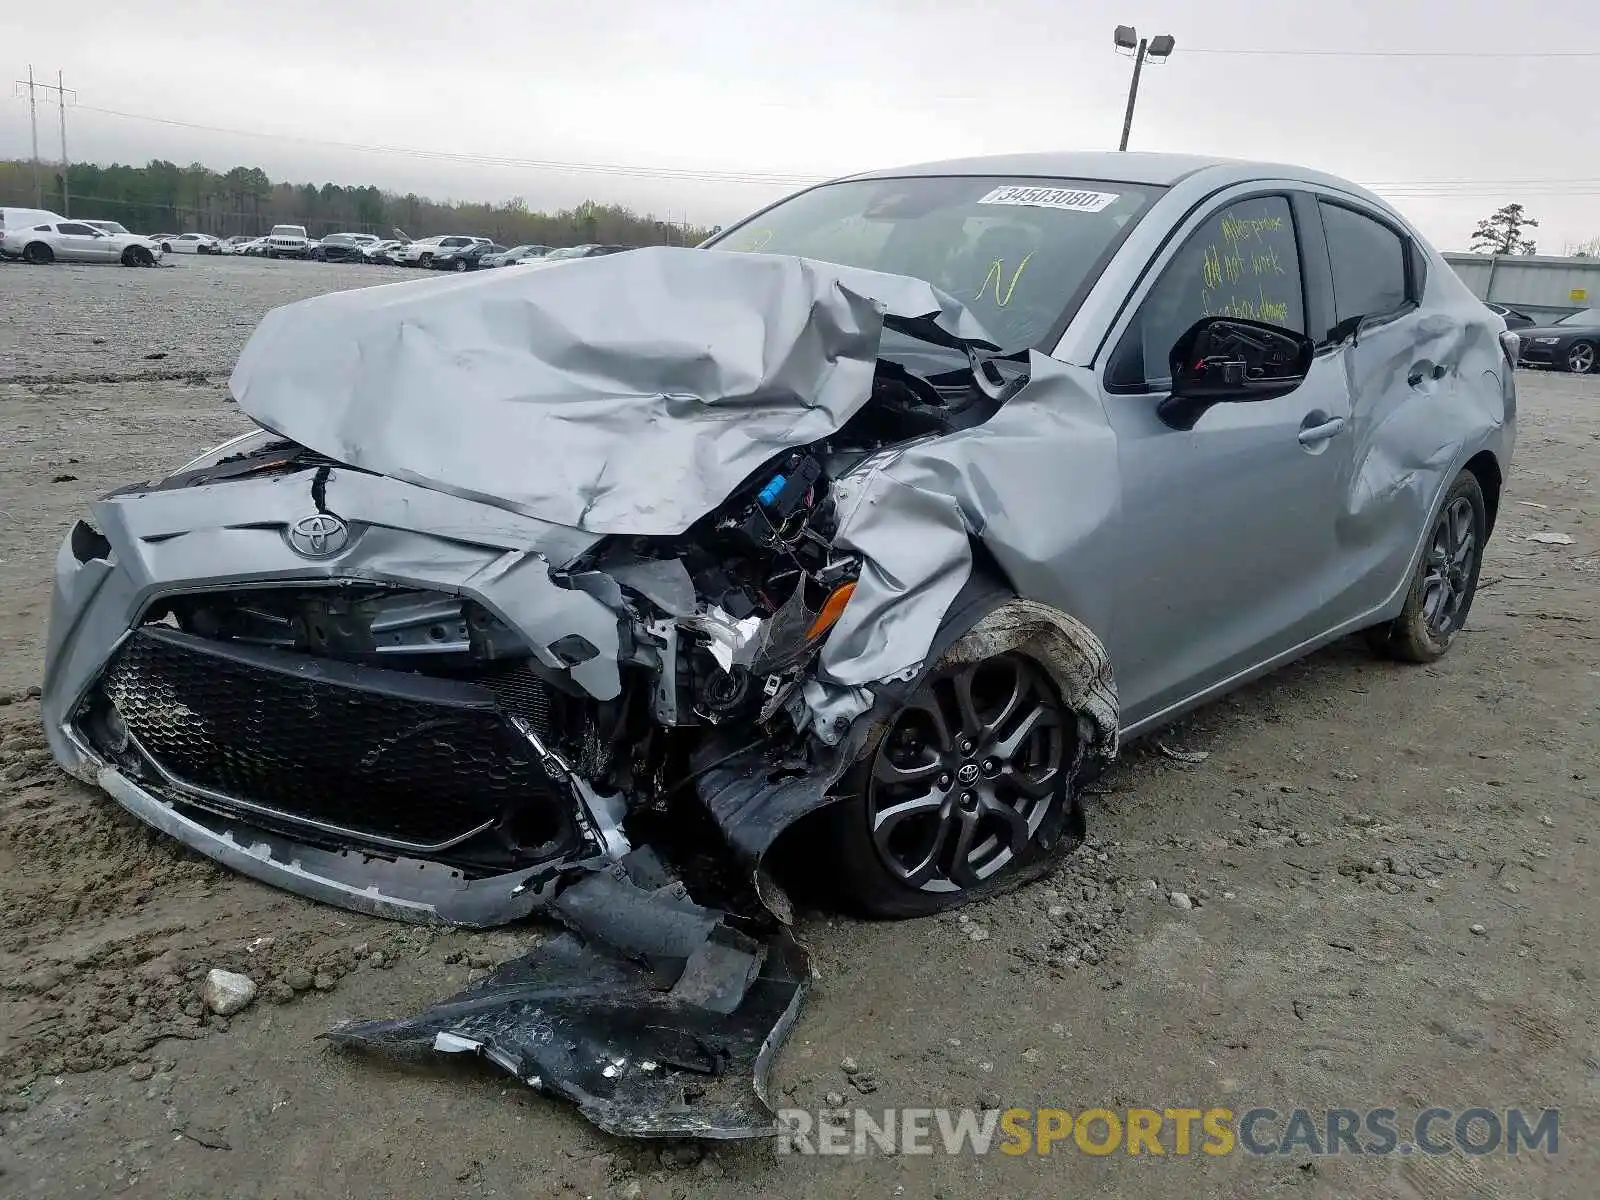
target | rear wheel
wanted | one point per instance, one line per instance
(967, 788)
(38, 253)
(1581, 358)
(425, 261)
(461, 264)
(1445, 582)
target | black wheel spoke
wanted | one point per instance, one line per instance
(895, 774)
(1036, 785)
(889, 819)
(1010, 820)
(929, 707)
(961, 865)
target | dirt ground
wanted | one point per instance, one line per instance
(1392, 872)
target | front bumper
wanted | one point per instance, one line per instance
(359, 786)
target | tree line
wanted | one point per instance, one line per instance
(162, 197)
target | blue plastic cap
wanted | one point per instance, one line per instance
(771, 491)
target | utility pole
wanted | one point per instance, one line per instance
(1155, 49)
(62, 92)
(66, 163)
(33, 118)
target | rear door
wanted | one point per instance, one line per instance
(1396, 386)
(1227, 554)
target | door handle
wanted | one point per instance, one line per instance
(1322, 432)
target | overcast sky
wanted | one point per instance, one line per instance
(822, 87)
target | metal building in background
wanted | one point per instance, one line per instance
(1542, 286)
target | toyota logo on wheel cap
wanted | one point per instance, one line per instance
(321, 535)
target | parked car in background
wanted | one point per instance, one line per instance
(386, 253)
(78, 241)
(21, 218)
(566, 253)
(234, 244)
(287, 241)
(515, 254)
(420, 253)
(189, 243)
(341, 247)
(254, 248)
(465, 258)
(1512, 318)
(1570, 344)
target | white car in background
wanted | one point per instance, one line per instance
(288, 241)
(20, 218)
(78, 241)
(190, 243)
(384, 253)
(235, 244)
(420, 253)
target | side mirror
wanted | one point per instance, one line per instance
(1227, 360)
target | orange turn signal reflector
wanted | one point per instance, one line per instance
(832, 610)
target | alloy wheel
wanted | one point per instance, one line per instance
(1581, 358)
(1450, 564)
(966, 774)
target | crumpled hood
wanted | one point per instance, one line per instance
(629, 393)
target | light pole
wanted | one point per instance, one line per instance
(1156, 49)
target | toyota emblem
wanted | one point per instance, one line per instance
(321, 535)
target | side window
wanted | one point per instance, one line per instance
(74, 227)
(1244, 261)
(1369, 264)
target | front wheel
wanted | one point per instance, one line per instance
(1581, 358)
(137, 256)
(966, 791)
(1445, 582)
(460, 265)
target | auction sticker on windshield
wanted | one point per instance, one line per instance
(1071, 199)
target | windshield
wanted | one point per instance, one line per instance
(1017, 252)
(1587, 316)
(288, 231)
(108, 226)
(570, 252)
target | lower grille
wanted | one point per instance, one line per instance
(411, 761)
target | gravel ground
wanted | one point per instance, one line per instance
(1389, 869)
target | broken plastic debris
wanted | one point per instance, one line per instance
(1183, 756)
(1551, 539)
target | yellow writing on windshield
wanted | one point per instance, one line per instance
(997, 273)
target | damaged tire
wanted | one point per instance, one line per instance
(38, 253)
(137, 256)
(963, 792)
(1445, 582)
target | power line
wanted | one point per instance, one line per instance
(1266, 52)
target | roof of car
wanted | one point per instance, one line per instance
(1113, 166)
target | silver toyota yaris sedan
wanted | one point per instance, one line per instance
(897, 505)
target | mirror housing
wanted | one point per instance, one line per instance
(1228, 360)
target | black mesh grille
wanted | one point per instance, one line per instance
(400, 756)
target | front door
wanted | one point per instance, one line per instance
(1226, 556)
